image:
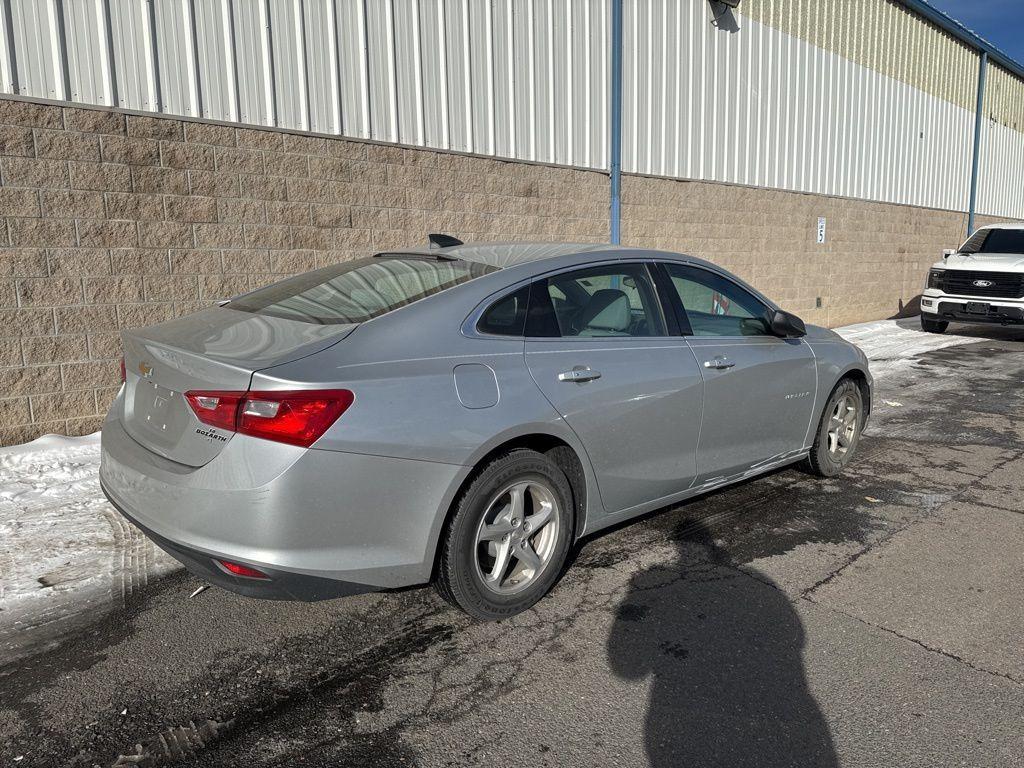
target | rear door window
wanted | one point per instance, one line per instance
(357, 291)
(617, 300)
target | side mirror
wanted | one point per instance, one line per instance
(787, 325)
(946, 253)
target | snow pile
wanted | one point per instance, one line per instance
(65, 553)
(891, 344)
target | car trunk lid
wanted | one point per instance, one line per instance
(215, 349)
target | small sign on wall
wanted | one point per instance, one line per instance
(821, 229)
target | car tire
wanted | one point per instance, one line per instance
(487, 524)
(933, 326)
(839, 430)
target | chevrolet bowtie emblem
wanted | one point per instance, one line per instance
(146, 369)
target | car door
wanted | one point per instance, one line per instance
(759, 389)
(599, 349)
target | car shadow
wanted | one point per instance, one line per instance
(723, 651)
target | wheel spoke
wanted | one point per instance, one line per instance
(518, 495)
(528, 556)
(840, 407)
(496, 530)
(501, 561)
(538, 519)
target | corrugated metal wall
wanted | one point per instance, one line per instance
(524, 79)
(747, 103)
(858, 99)
(1000, 191)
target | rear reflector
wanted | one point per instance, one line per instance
(124, 376)
(242, 570)
(298, 417)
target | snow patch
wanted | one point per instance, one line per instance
(892, 344)
(66, 556)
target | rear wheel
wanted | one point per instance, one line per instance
(509, 537)
(838, 431)
(933, 326)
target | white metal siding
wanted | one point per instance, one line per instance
(176, 57)
(530, 79)
(85, 33)
(216, 61)
(134, 63)
(37, 48)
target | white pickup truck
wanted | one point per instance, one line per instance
(982, 282)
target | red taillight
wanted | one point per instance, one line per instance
(124, 376)
(218, 409)
(298, 417)
(242, 570)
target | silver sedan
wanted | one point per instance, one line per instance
(462, 414)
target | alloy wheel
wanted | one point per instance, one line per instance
(517, 536)
(842, 426)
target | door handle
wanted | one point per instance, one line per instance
(579, 374)
(719, 363)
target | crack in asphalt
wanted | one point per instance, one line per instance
(932, 649)
(932, 512)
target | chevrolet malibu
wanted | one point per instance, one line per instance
(462, 415)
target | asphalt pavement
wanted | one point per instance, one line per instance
(868, 620)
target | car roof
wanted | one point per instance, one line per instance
(1003, 225)
(509, 254)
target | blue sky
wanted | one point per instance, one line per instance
(1001, 22)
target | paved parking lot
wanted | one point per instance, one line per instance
(873, 619)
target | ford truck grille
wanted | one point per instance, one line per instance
(996, 285)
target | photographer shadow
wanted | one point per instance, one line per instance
(724, 650)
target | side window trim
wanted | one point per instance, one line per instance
(721, 276)
(671, 305)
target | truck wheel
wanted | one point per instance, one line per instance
(933, 326)
(508, 540)
(838, 431)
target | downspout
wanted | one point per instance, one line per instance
(615, 117)
(982, 68)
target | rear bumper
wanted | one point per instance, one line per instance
(318, 523)
(281, 585)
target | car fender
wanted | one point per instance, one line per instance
(556, 429)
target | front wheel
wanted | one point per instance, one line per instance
(508, 540)
(933, 326)
(838, 431)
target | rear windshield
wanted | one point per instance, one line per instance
(995, 241)
(357, 291)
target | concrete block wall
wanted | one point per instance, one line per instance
(111, 220)
(872, 264)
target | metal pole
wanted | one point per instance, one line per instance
(615, 150)
(982, 68)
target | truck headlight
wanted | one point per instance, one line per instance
(935, 278)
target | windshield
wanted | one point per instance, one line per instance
(995, 241)
(357, 291)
